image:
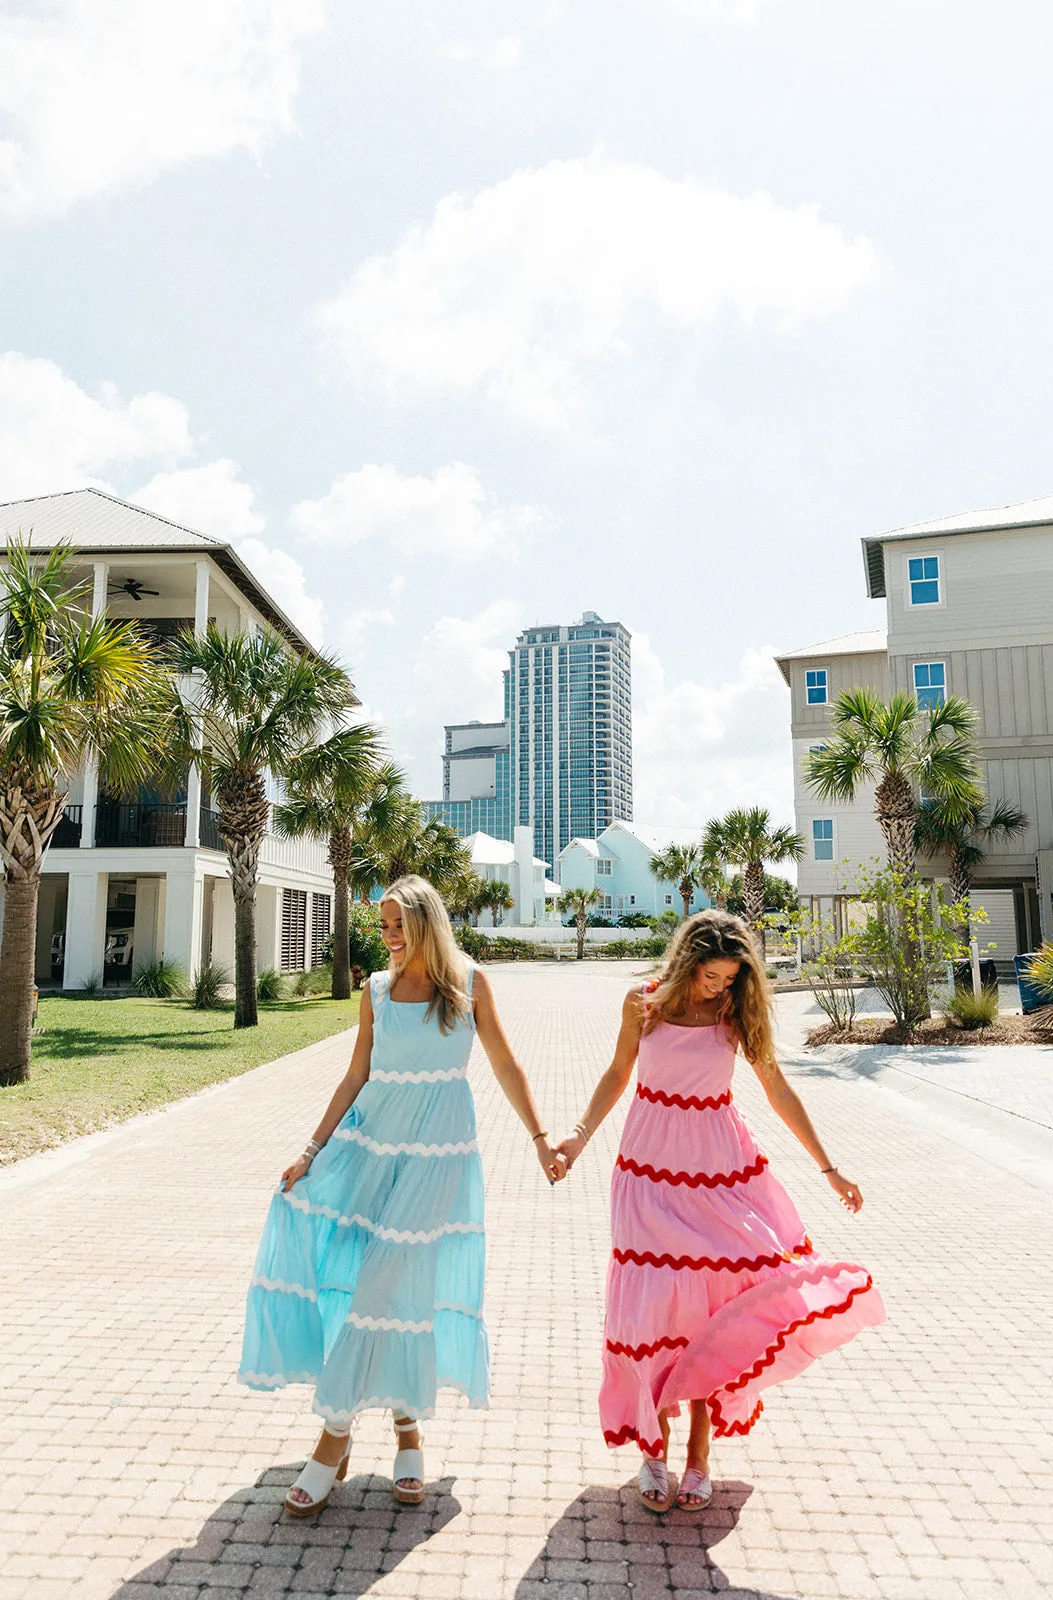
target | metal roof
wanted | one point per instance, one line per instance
(873, 641)
(1036, 513)
(94, 522)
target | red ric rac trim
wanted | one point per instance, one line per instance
(689, 1102)
(692, 1179)
(624, 1435)
(647, 1258)
(723, 1429)
(641, 1351)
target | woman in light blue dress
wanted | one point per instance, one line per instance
(369, 1277)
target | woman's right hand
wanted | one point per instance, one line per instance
(295, 1170)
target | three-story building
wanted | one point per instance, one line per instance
(969, 609)
(130, 878)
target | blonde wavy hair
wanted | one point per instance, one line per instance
(745, 1006)
(427, 931)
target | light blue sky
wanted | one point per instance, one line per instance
(460, 317)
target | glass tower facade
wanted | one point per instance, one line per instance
(568, 698)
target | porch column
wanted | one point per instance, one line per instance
(1044, 884)
(182, 932)
(99, 585)
(85, 942)
(202, 577)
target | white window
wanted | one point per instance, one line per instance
(668, 899)
(603, 867)
(930, 682)
(923, 580)
(815, 684)
(823, 838)
(632, 899)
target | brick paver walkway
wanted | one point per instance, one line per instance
(915, 1465)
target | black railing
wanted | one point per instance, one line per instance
(210, 836)
(152, 824)
(67, 835)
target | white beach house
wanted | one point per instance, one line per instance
(127, 879)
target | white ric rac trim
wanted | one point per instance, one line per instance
(282, 1287)
(464, 1148)
(276, 1380)
(388, 1324)
(419, 1077)
(391, 1235)
(389, 1403)
(465, 1311)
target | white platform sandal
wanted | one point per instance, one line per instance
(409, 1464)
(653, 1478)
(317, 1480)
(699, 1486)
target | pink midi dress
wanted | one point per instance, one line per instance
(714, 1289)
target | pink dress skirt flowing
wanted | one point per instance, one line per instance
(714, 1289)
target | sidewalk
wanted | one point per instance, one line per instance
(916, 1464)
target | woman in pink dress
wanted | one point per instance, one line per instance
(714, 1290)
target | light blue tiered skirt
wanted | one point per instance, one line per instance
(369, 1276)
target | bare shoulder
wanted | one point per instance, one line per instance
(481, 989)
(634, 1006)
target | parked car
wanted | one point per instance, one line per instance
(118, 949)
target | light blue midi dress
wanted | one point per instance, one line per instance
(369, 1277)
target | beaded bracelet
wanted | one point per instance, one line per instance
(824, 1170)
(543, 1134)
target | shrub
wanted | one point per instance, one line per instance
(471, 941)
(270, 985)
(637, 919)
(209, 980)
(160, 980)
(92, 986)
(1040, 971)
(367, 948)
(970, 1010)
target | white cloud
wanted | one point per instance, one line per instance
(99, 94)
(54, 435)
(517, 291)
(494, 55)
(701, 748)
(283, 577)
(449, 514)
(719, 10)
(210, 498)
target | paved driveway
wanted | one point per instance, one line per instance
(914, 1465)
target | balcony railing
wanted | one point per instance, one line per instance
(67, 835)
(122, 825)
(210, 836)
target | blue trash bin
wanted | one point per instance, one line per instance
(1032, 998)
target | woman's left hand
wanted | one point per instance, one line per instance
(847, 1192)
(553, 1162)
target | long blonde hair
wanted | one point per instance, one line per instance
(426, 927)
(744, 1006)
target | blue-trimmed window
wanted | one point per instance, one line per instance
(930, 682)
(815, 684)
(823, 838)
(924, 575)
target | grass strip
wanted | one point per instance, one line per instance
(98, 1062)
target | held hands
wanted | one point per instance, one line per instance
(553, 1162)
(571, 1149)
(846, 1191)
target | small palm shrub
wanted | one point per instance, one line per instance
(160, 980)
(1040, 971)
(209, 982)
(270, 985)
(92, 986)
(970, 1010)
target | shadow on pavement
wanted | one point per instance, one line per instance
(250, 1541)
(606, 1538)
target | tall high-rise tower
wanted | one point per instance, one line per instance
(568, 701)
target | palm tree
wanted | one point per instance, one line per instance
(578, 901)
(254, 707)
(905, 749)
(715, 863)
(496, 896)
(964, 838)
(327, 788)
(72, 689)
(683, 865)
(382, 820)
(749, 840)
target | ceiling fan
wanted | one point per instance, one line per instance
(133, 587)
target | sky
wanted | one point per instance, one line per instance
(456, 318)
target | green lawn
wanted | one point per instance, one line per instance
(100, 1061)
